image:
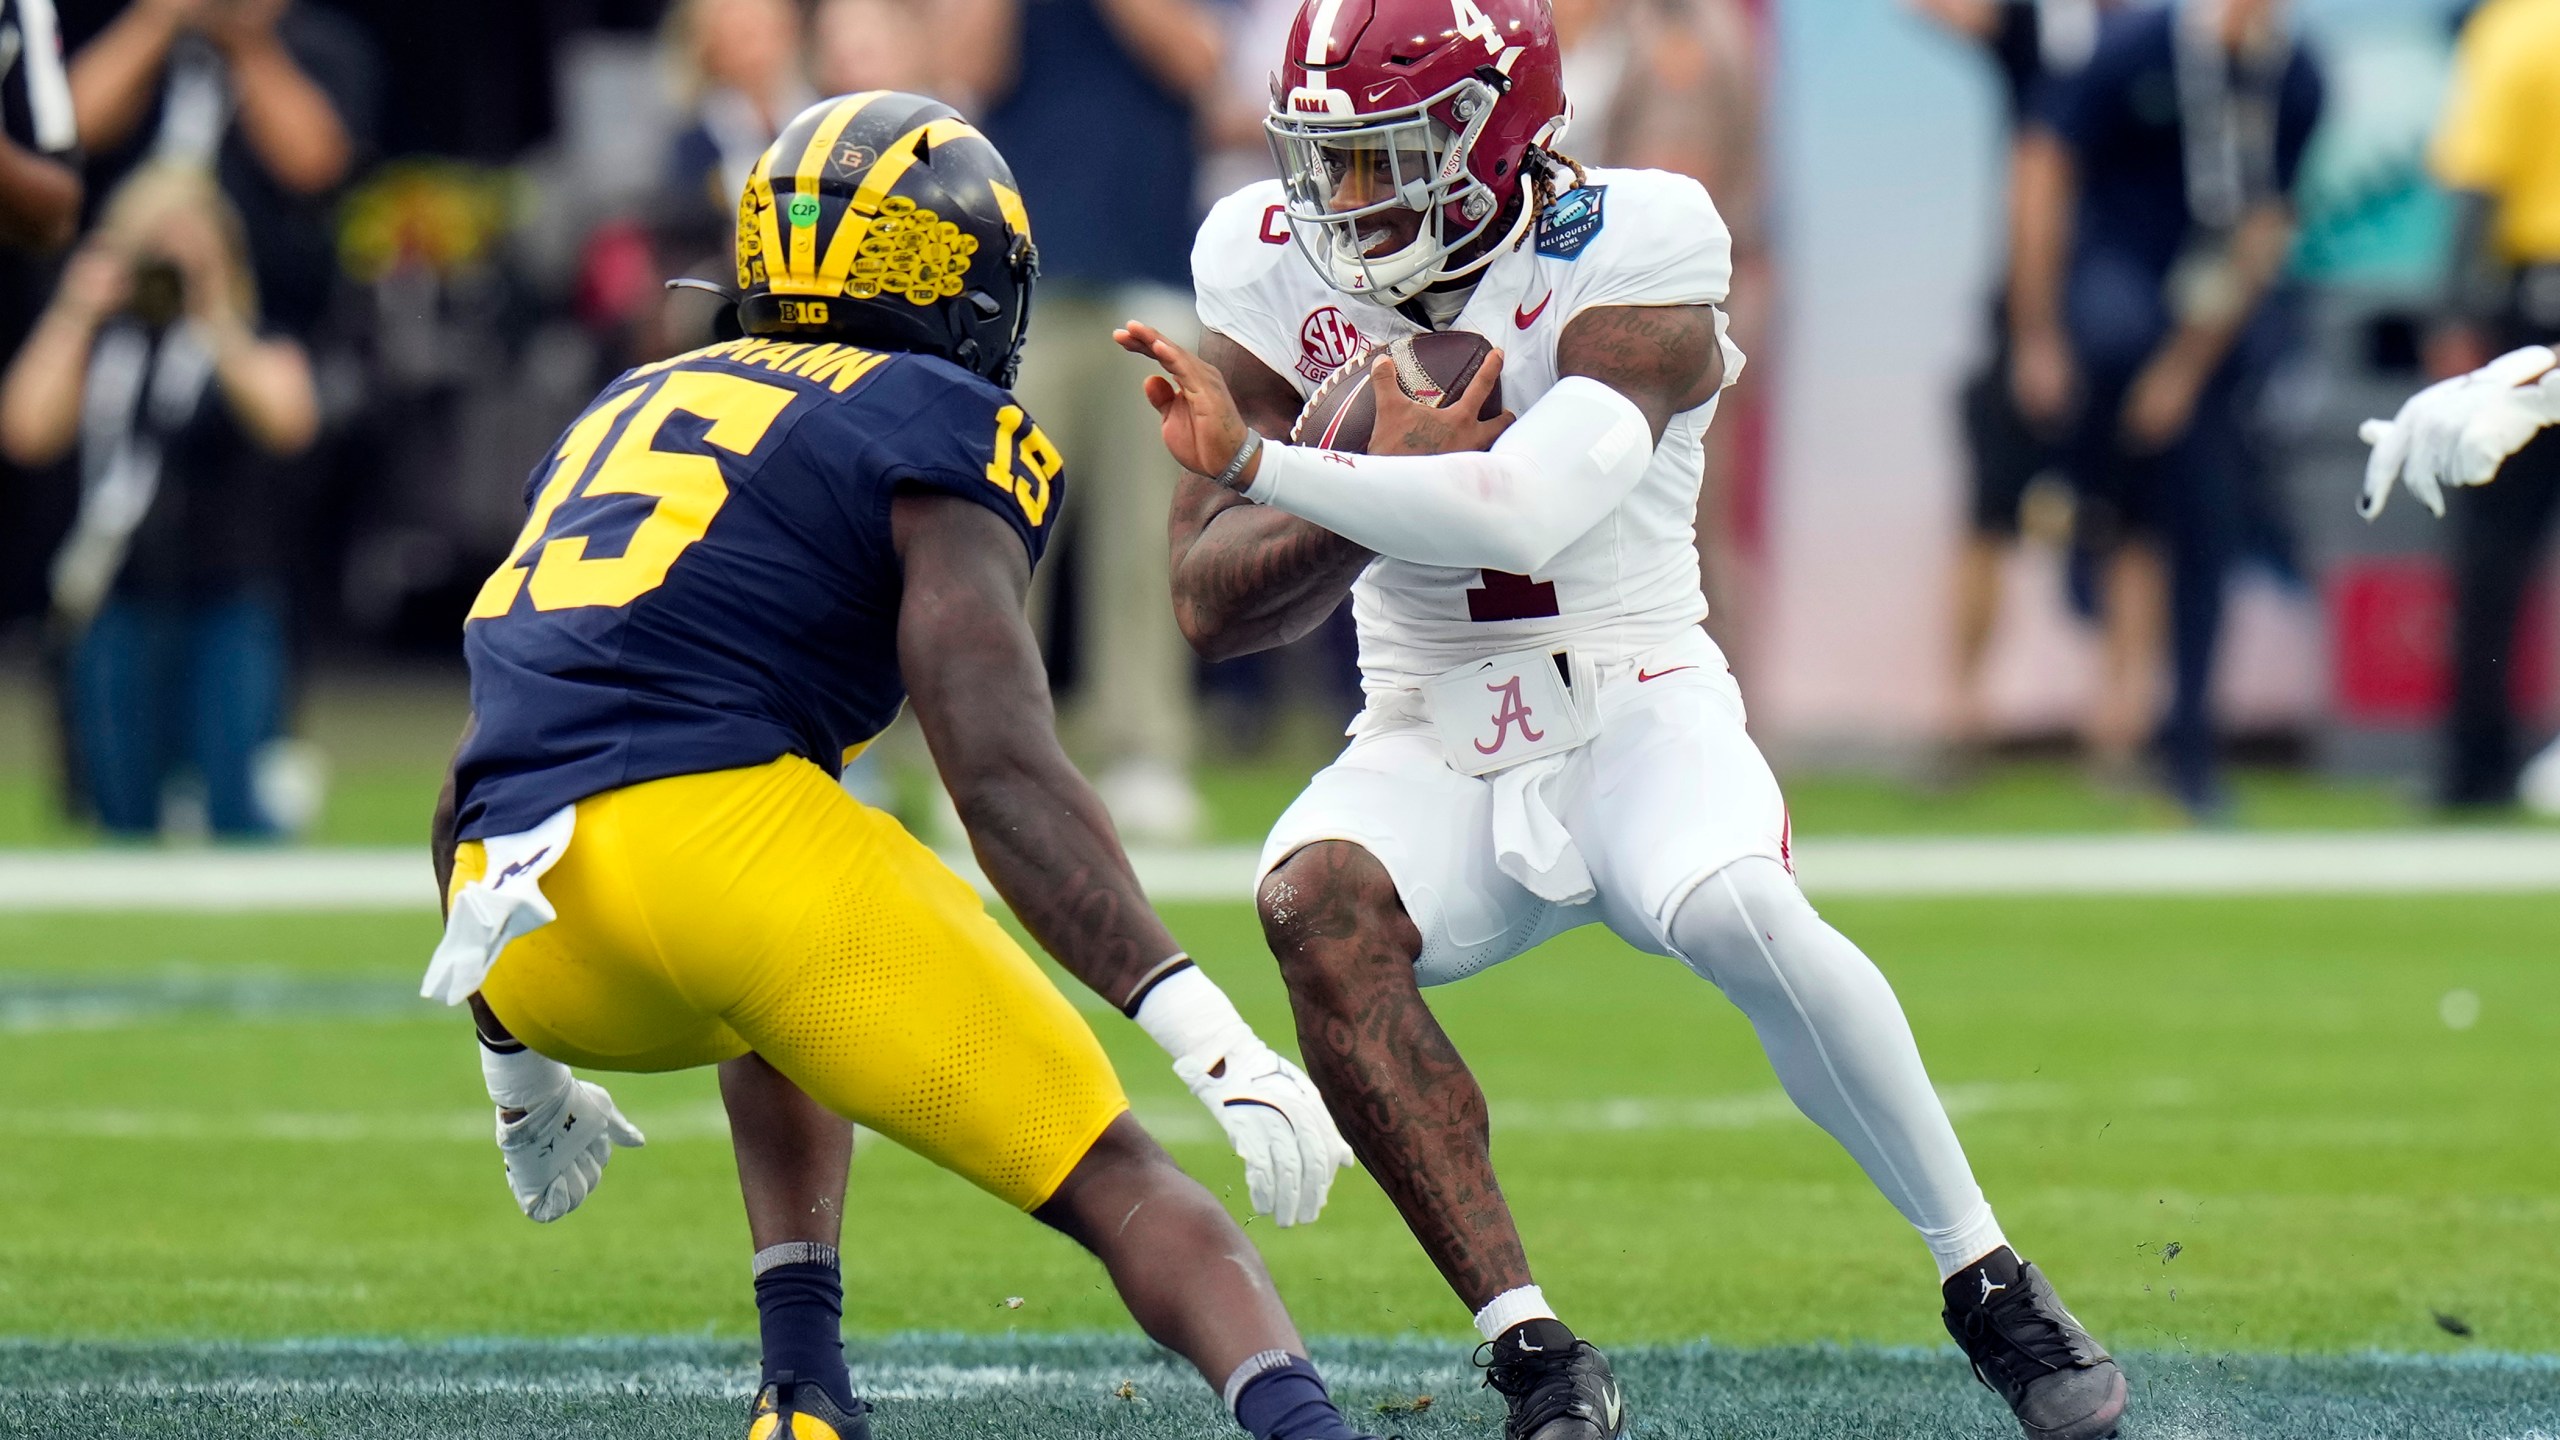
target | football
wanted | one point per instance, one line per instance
(1435, 366)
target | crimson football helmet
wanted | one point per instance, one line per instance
(1426, 106)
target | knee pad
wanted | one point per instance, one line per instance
(1735, 915)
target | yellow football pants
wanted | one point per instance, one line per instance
(764, 909)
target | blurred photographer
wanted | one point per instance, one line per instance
(277, 99)
(149, 365)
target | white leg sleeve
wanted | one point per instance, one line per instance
(1841, 1046)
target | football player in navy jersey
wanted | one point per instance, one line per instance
(737, 566)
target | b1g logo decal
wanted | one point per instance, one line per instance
(1566, 227)
(1326, 343)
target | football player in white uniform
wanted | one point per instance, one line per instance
(2462, 432)
(1550, 740)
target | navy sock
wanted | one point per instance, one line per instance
(1287, 1402)
(800, 1311)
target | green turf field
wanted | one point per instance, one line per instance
(2230, 1128)
(379, 798)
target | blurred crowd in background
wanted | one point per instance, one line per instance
(2149, 305)
(334, 275)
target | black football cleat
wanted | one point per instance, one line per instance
(1557, 1385)
(793, 1409)
(2025, 1345)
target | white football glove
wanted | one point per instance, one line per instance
(556, 1150)
(2459, 431)
(1269, 1108)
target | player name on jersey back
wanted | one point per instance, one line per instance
(707, 578)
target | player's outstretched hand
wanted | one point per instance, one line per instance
(2459, 431)
(556, 1151)
(1202, 426)
(1406, 426)
(1269, 1108)
(1275, 1120)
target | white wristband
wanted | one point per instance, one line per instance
(521, 1079)
(1186, 1013)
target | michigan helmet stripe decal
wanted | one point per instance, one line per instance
(813, 158)
(768, 222)
(1009, 204)
(894, 160)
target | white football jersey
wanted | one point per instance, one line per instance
(1629, 237)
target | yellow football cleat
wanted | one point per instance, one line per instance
(789, 1409)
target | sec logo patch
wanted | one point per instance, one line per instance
(1326, 342)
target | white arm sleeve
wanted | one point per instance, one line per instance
(1552, 476)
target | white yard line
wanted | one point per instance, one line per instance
(1172, 1120)
(2431, 862)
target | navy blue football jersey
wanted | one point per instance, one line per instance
(706, 578)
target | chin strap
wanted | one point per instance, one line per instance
(1439, 307)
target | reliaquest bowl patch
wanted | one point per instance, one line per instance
(1566, 226)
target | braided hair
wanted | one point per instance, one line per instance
(1547, 170)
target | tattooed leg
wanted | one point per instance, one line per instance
(1396, 1086)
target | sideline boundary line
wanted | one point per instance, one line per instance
(2403, 862)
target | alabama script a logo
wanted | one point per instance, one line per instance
(1512, 712)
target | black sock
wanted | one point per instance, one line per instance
(800, 1310)
(1287, 1402)
(1974, 1285)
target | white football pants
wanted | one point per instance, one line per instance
(1841, 1046)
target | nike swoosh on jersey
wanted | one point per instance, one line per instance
(1526, 318)
(1642, 675)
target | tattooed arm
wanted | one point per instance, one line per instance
(1665, 358)
(1422, 493)
(1246, 577)
(982, 694)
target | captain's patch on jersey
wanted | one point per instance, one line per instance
(1566, 227)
